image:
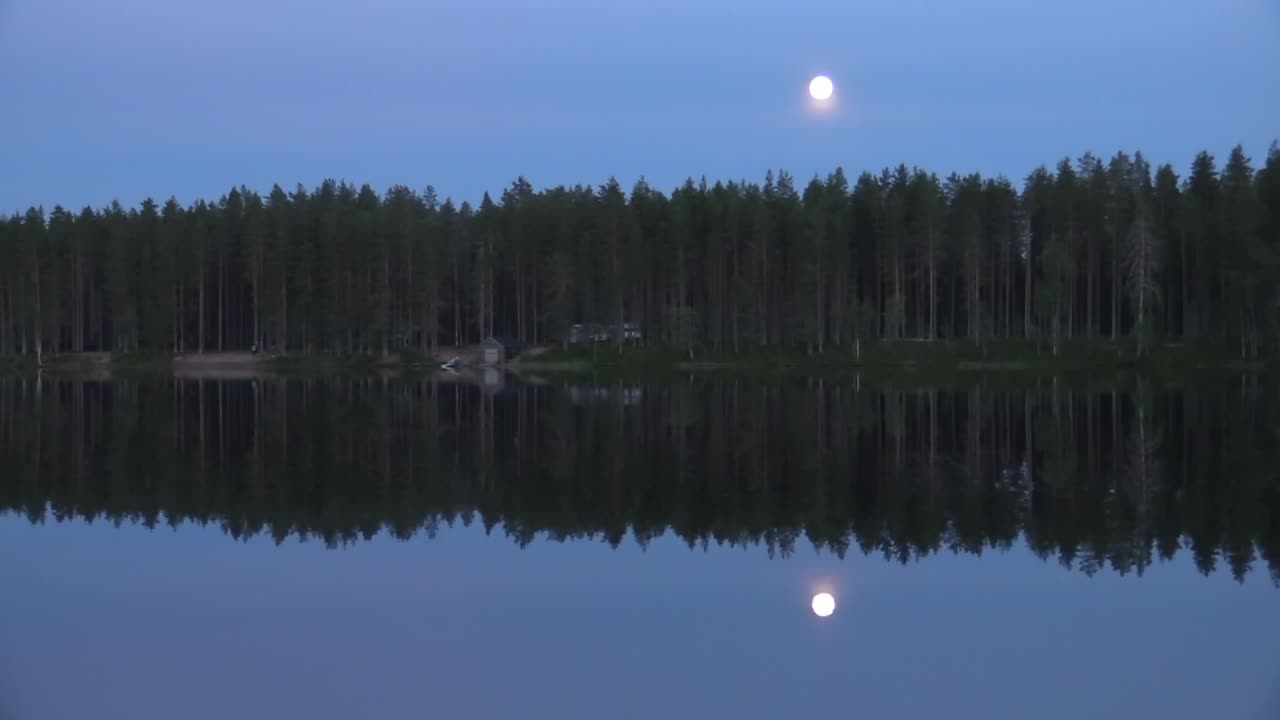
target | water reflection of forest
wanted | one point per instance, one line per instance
(1092, 479)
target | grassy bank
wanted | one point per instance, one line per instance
(17, 363)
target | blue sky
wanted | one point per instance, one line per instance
(133, 98)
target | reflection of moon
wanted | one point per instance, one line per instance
(820, 88)
(823, 604)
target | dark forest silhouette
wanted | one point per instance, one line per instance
(1094, 478)
(1089, 248)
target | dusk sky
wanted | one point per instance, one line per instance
(136, 98)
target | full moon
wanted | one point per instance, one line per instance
(823, 604)
(820, 88)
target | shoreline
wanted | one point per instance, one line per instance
(928, 357)
(912, 355)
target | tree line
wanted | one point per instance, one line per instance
(1087, 248)
(1093, 477)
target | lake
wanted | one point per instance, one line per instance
(342, 547)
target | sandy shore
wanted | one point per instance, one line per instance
(225, 360)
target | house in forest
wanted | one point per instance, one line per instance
(492, 352)
(597, 332)
(497, 350)
(630, 332)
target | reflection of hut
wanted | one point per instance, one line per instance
(491, 379)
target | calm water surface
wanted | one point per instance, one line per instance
(338, 548)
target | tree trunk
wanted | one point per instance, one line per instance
(385, 305)
(1071, 306)
(284, 316)
(351, 340)
(39, 329)
(901, 311)
(1186, 284)
(933, 299)
(817, 310)
(4, 318)
(177, 318)
(1008, 293)
(1115, 295)
(1026, 296)
(975, 308)
(78, 341)
(1090, 284)
(254, 304)
(457, 304)
(222, 303)
(200, 302)
(1142, 296)
(521, 331)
